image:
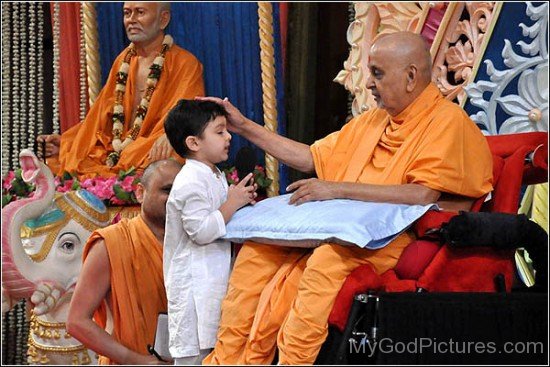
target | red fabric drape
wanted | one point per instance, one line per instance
(434, 18)
(69, 63)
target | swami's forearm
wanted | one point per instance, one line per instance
(412, 194)
(292, 153)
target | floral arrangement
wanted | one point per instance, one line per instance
(118, 190)
(260, 178)
(14, 188)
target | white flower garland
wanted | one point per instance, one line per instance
(55, 94)
(33, 54)
(16, 84)
(40, 72)
(118, 108)
(6, 86)
(24, 82)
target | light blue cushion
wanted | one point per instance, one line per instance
(347, 222)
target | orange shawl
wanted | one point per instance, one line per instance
(85, 146)
(137, 282)
(432, 142)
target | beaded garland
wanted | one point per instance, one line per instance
(118, 109)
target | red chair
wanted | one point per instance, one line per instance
(426, 265)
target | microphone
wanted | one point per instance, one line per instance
(245, 162)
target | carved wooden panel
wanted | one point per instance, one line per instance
(463, 42)
(457, 47)
(372, 19)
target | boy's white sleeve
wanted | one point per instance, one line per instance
(202, 224)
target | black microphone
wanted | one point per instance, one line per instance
(245, 162)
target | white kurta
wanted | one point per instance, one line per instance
(196, 262)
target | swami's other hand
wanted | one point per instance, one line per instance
(235, 119)
(52, 142)
(161, 149)
(311, 189)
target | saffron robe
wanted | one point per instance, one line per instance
(432, 142)
(137, 283)
(85, 146)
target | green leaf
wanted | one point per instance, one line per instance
(75, 185)
(120, 193)
(6, 199)
(19, 188)
(66, 176)
(123, 174)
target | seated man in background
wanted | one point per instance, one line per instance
(121, 279)
(415, 148)
(124, 126)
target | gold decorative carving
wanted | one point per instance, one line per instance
(267, 63)
(401, 16)
(463, 37)
(93, 67)
(45, 339)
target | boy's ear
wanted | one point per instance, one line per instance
(192, 143)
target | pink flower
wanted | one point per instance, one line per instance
(104, 190)
(66, 186)
(117, 201)
(87, 184)
(126, 184)
(234, 176)
(6, 184)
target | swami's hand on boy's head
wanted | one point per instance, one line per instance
(235, 119)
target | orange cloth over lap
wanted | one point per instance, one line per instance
(432, 142)
(137, 283)
(85, 146)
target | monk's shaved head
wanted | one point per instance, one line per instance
(406, 48)
(152, 169)
(400, 67)
(153, 192)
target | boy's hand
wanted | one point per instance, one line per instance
(243, 193)
(238, 196)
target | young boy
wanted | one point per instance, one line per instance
(196, 261)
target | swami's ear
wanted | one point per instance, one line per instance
(412, 77)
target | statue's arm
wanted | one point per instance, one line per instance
(92, 288)
(51, 142)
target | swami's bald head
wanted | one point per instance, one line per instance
(400, 66)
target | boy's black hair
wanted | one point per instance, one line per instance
(189, 118)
